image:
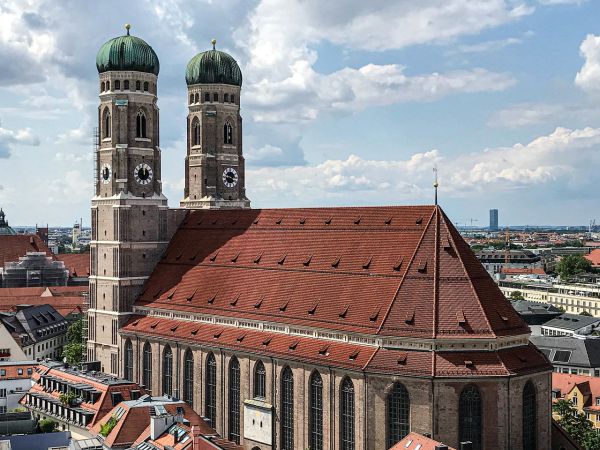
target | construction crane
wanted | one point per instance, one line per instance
(507, 246)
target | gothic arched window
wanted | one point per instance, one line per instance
(145, 86)
(128, 363)
(398, 414)
(147, 366)
(316, 412)
(529, 417)
(210, 400)
(102, 87)
(167, 371)
(347, 415)
(232, 98)
(206, 97)
(191, 98)
(138, 85)
(188, 377)
(195, 131)
(197, 97)
(234, 400)
(469, 416)
(287, 409)
(140, 124)
(107, 123)
(108, 85)
(117, 85)
(227, 133)
(260, 380)
(215, 97)
(226, 98)
(126, 85)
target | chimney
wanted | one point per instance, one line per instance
(467, 445)
(158, 425)
(195, 437)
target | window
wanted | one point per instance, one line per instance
(126, 85)
(206, 97)
(287, 409)
(234, 400)
(2, 409)
(102, 87)
(19, 371)
(138, 85)
(30, 370)
(398, 414)
(529, 417)
(195, 131)
(469, 416)
(226, 98)
(107, 123)
(347, 415)
(117, 85)
(227, 133)
(574, 400)
(2, 372)
(191, 98)
(108, 85)
(316, 412)
(562, 356)
(215, 97)
(188, 377)
(140, 125)
(197, 97)
(167, 371)
(210, 400)
(232, 98)
(260, 380)
(2, 393)
(128, 363)
(145, 86)
(147, 367)
(597, 401)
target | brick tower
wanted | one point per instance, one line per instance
(129, 211)
(214, 164)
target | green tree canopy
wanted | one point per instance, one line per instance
(47, 425)
(576, 425)
(571, 265)
(73, 350)
(516, 295)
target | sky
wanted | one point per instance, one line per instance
(344, 102)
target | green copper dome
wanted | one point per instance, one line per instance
(213, 66)
(127, 53)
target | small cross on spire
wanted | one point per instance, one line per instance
(436, 184)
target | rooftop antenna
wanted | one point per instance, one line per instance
(435, 183)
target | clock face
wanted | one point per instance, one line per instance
(143, 173)
(105, 173)
(230, 177)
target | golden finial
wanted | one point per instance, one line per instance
(436, 184)
(127, 27)
(213, 42)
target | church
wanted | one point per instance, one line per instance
(301, 328)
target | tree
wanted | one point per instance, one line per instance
(73, 350)
(585, 313)
(516, 295)
(574, 422)
(47, 425)
(571, 265)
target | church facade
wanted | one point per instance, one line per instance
(320, 328)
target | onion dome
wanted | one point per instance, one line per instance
(213, 66)
(127, 53)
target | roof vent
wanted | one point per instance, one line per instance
(398, 264)
(258, 303)
(281, 260)
(241, 337)
(357, 220)
(302, 221)
(256, 260)
(446, 244)
(293, 345)
(336, 263)
(174, 329)
(218, 334)
(422, 266)
(460, 317)
(402, 358)
(469, 364)
(344, 311)
(214, 256)
(410, 317)
(190, 296)
(235, 257)
(367, 263)
(353, 355)
(266, 341)
(255, 221)
(234, 301)
(313, 309)
(388, 221)
(419, 220)
(195, 332)
(328, 221)
(374, 315)
(154, 325)
(284, 306)
(324, 351)
(171, 294)
(212, 299)
(306, 262)
(278, 221)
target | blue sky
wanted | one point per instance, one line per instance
(344, 102)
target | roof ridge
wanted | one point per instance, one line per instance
(412, 259)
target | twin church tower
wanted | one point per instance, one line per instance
(131, 222)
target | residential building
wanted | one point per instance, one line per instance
(39, 330)
(372, 322)
(78, 265)
(495, 261)
(570, 325)
(15, 381)
(87, 396)
(582, 391)
(493, 220)
(416, 441)
(535, 314)
(594, 258)
(571, 355)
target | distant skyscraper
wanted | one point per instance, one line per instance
(493, 220)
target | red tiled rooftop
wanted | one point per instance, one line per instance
(77, 263)
(594, 257)
(13, 247)
(65, 299)
(416, 441)
(392, 271)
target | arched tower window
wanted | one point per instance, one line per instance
(227, 133)
(107, 123)
(316, 412)
(347, 415)
(128, 363)
(138, 85)
(287, 409)
(226, 98)
(108, 85)
(102, 87)
(117, 85)
(191, 98)
(167, 371)
(234, 400)
(398, 414)
(197, 97)
(206, 97)
(210, 400)
(529, 417)
(126, 85)
(469, 416)
(215, 97)
(140, 124)
(147, 366)
(188, 377)
(232, 98)
(260, 380)
(145, 86)
(195, 131)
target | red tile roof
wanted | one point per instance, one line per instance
(77, 263)
(65, 299)
(594, 257)
(416, 441)
(588, 386)
(392, 271)
(13, 247)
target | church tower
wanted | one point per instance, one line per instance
(214, 164)
(129, 211)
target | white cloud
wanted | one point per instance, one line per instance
(588, 78)
(9, 138)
